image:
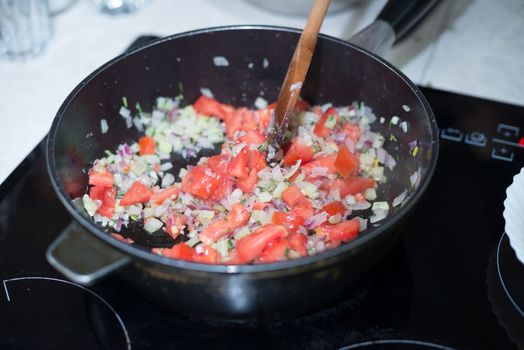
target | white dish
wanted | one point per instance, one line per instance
(514, 214)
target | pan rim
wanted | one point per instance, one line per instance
(288, 265)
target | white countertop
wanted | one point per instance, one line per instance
(475, 47)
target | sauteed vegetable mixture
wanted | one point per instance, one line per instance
(234, 208)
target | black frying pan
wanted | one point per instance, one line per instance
(340, 73)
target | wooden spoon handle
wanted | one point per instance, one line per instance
(296, 73)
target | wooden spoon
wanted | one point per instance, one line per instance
(295, 76)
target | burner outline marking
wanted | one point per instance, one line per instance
(521, 312)
(128, 341)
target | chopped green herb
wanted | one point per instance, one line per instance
(415, 151)
(138, 107)
(392, 138)
(230, 244)
(181, 87)
(124, 101)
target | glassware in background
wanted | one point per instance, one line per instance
(116, 7)
(25, 28)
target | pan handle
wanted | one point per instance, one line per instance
(83, 258)
(393, 23)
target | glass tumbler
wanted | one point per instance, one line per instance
(25, 28)
(116, 7)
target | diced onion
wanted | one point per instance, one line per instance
(152, 224)
(400, 198)
(103, 126)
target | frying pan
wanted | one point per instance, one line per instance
(340, 73)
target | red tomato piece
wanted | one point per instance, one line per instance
(298, 151)
(180, 251)
(107, 208)
(352, 131)
(103, 179)
(250, 247)
(207, 256)
(343, 232)
(290, 219)
(247, 185)
(137, 193)
(210, 107)
(234, 122)
(249, 122)
(275, 251)
(301, 106)
(264, 119)
(219, 163)
(238, 216)
(351, 185)
(175, 224)
(321, 130)
(257, 160)
(303, 209)
(147, 145)
(200, 182)
(260, 205)
(224, 189)
(161, 196)
(298, 242)
(97, 192)
(346, 162)
(238, 167)
(292, 195)
(334, 208)
(327, 162)
(252, 137)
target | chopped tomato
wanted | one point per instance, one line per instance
(346, 162)
(275, 251)
(219, 163)
(97, 192)
(334, 208)
(107, 208)
(327, 162)
(137, 193)
(298, 151)
(161, 196)
(298, 242)
(238, 166)
(351, 185)
(210, 107)
(175, 224)
(301, 106)
(103, 179)
(252, 137)
(238, 216)
(292, 195)
(304, 209)
(147, 145)
(207, 256)
(251, 246)
(257, 160)
(234, 122)
(249, 122)
(200, 182)
(179, 251)
(352, 131)
(343, 232)
(322, 128)
(224, 189)
(290, 219)
(264, 119)
(247, 185)
(260, 205)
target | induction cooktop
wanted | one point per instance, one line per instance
(452, 281)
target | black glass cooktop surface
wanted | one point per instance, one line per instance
(451, 282)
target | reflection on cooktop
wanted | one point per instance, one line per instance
(59, 314)
(396, 344)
